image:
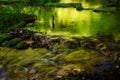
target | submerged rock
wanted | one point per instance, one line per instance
(102, 66)
(1, 71)
(4, 78)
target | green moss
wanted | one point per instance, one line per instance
(22, 45)
(4, 37)
(12, 42)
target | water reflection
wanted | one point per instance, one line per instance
(70, 21)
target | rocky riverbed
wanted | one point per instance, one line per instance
(29, 55)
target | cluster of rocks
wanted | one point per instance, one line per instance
(102, 44)
(42, 40)
(104, 70)
(107, 45)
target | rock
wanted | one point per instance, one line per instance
(77, 40)
(88, 45)
(103, 65)
(21, 33)
(4, 78)
(55, 40)
(32, 71)
(12, 42)
(47, 62)
(1, 71)
(34, 45)
(70, 44)
(4, 37)
(22, 45)
(34, 79)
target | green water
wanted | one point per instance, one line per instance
(69, 21)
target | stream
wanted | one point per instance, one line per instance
(94, 54)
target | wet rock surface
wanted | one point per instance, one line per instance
(56, 61)
(102, 44)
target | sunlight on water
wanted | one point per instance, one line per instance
(69, 19)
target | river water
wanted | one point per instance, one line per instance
(70, 21)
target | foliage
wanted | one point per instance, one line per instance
(11, 16)
(7, 20)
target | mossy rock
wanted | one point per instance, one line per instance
(22, 45)
(70, 44)
(4, 37)
(12, 42)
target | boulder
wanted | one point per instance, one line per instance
(70, 44)
(22, 45)
(12, 42)
(4, 37)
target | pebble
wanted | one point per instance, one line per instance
(32, 71)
